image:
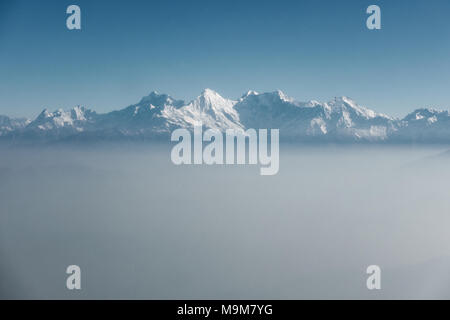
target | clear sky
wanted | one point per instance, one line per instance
(309, 49)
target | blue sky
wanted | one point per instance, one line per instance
(309, 49)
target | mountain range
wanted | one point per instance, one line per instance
(157, 115)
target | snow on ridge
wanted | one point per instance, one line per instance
(340, 119)
(248, 93)
(343, 103)
(8, 124)
(209, 109)
(73, 118)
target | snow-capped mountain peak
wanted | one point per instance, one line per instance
(80, 113)
(8, 124)
(426, 113)
(425, 124)
(210, 99)
(283, 97)
(159, 100)
(346, 104)
(248, 93)
(209, 109)
(73, 118)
